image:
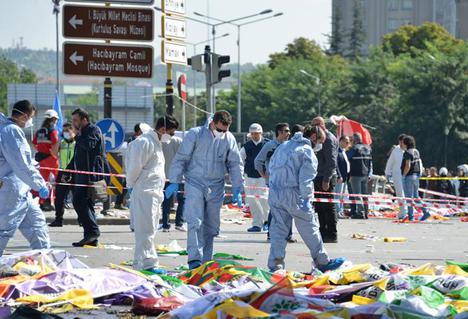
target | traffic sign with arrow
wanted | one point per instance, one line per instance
(107, 60)
(113, 132)
(117, 23)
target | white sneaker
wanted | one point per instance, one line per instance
(181, 228)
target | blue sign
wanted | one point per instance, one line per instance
(113, 132)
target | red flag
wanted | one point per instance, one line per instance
(349, 127)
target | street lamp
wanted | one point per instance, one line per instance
(194, 45)
(221, 22)
(317, 81)
(239, 100)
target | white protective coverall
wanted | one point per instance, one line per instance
(393, 169)
(145, 174)
(18, 176)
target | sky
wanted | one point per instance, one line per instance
(33, 20)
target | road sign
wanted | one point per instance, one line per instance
(173, 6)
(173, 52)
(107, 60)
(113, 132)
(135, 2)
(173, 28)
(182, 87)
(108, 23)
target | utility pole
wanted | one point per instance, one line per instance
(207, 60)
(169, 91)
(108, 98)
(57, 65)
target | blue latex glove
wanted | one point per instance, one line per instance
(44, 192)
(236, 196)
(171, 190)
(129, 191)
(306, 205)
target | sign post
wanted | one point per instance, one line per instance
(173, 28)
(90, 22)
(108, 60)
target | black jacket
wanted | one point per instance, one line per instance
(89, 155)
(327, 158)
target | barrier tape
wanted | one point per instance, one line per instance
(401, 201)
(439, 178)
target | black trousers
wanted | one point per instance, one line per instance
(84, 207)
(61, 193)
(326, 211)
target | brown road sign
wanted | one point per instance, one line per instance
(107, 60)
(108, 23)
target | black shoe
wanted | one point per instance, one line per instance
(357, 217)
(90, 241)
(56, 223)
(47, 207)
(330, 240)
(291, 240)
(120, 207)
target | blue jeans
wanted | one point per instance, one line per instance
(410, 187)
(359, 186)
(339, 188)
(166, 208)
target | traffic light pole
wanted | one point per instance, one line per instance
(169, 91)
(207, 60)
(107, 98)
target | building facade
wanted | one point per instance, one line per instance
(380, 17)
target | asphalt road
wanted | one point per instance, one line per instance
(432, 242)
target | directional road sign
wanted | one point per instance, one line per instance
(173, 52)
(135, 2)
(113, 132)
(108, 23)
(173, 28)
(107, 60)
(173, 6)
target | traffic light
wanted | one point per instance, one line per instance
(196, 62)
(217, 62)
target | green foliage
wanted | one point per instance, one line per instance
(299, 48)
(409, 38)
(10, 73)
(356, 34)
(419, 88)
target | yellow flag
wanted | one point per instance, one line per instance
(80, 298)
(235, 308)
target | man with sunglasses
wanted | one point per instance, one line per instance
(205, 155)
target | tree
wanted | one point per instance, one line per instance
(336, 39)
(356, 35)
(299, 48)
(409, 38)
(9, 73)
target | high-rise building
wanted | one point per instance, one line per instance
(379, 17)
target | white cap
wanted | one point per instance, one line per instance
(255, 128)
(51, 114)
(443, 171)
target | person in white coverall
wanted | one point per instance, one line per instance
(145, 176)
(393, 171)
(18, 175)
(206, 154)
